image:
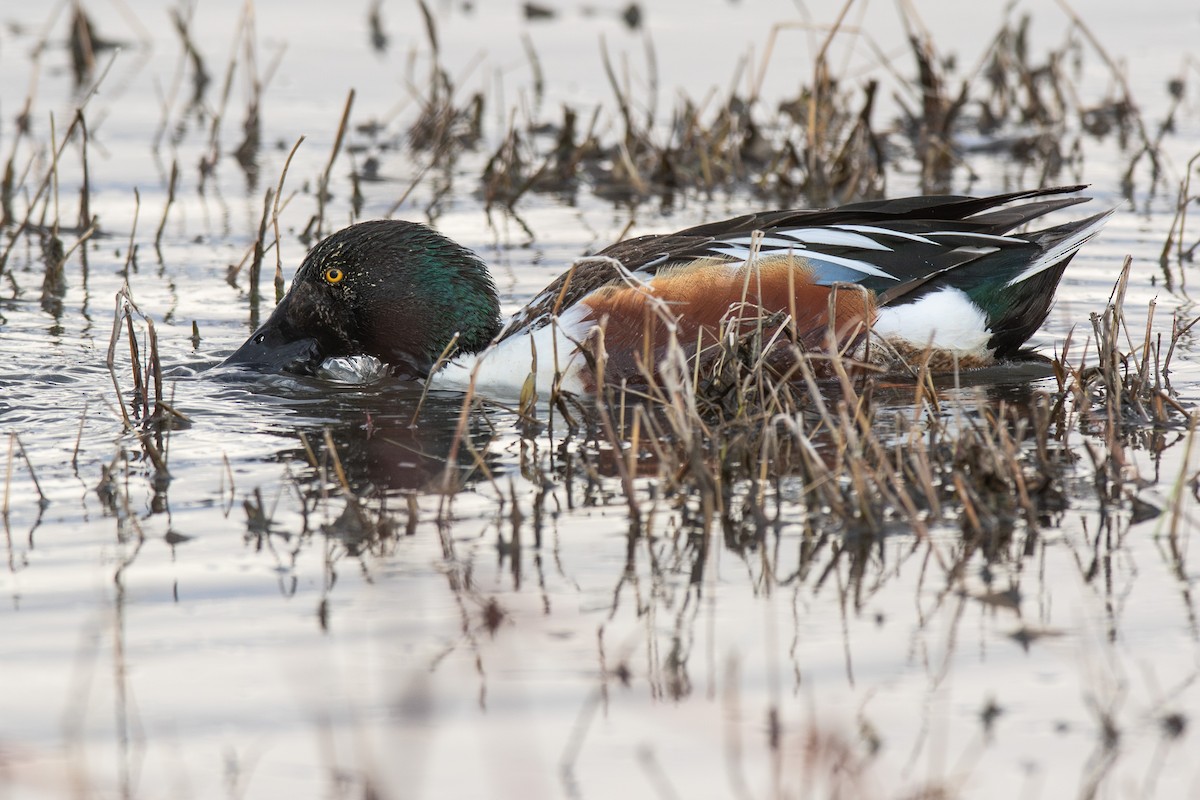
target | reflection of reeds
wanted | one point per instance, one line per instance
(15, 446)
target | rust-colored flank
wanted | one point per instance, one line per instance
(696, 296)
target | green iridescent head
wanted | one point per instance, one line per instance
(395, 290)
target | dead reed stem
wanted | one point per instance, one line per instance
(323, 182)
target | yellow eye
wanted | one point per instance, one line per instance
(334, 275)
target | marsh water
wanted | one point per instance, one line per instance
(222, 625)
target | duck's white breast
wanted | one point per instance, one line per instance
(502, 369)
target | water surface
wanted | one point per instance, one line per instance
(237, 630)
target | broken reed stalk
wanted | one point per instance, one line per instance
(1118, 74)
(200, 79)
(51, 175)
(47, 179)
(8, 472)
(275, 209)
(343, 481)
(79, 437)
(153, 370)
(86, 220)
(1135, 387)
(139, 386)
(145, 378)
(10, 185)
(131, 247)
(200, 76)
(208, 164)
(323, 182)
(53, 193)
(622, 99)
(119, 311)
(1178, 230)
(251, 127)
(259, 249)
(162, 224)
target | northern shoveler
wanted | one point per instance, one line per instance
(885, 281)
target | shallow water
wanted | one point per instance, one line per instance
(235, 630)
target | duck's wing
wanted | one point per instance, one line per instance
(888, 246)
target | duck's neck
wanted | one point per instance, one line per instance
(447, 297)
(470, 295)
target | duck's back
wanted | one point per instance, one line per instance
(886, 281)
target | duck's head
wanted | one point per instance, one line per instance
(395, 290)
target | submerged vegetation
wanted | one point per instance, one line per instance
(825, 477)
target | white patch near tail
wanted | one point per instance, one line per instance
(945, 319)
(501, 370)
(1063, 249)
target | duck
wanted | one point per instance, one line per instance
(941, 280)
